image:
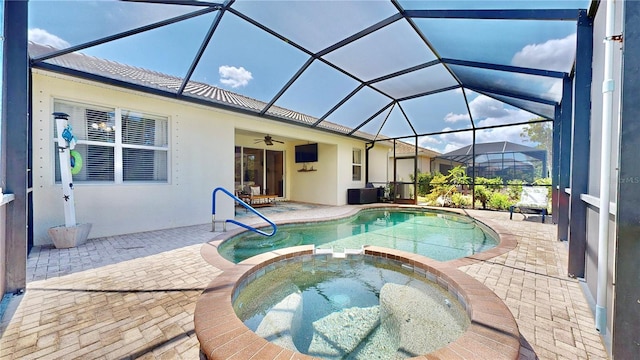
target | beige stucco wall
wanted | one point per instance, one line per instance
(201, 149)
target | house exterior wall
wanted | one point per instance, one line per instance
(591, 256)
(202, 144)
(333, 176)
(197, 165)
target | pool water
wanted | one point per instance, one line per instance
(353, 308)
(438, 235)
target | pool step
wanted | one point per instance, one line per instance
(340, 255)
(339, 334)
(282, 321)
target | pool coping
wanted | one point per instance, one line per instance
(493, 332)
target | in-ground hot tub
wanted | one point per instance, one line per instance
(356, 307)
(491, 331)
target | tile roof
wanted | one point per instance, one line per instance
(171, 84)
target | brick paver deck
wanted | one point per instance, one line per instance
(133, 296)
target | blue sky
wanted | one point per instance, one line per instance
(249, 61)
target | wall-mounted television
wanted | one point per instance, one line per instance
(306, 153)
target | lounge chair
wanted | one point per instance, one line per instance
(533, 198)
(253, 196)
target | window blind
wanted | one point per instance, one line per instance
(111, 139)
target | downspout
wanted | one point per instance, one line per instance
(366, 160)
(608, 85)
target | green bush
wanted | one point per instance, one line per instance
(514, 189)
(499, 201)
(458, 176)
(460, 200)
(482, 195)
(424, 183)
(439, 187)
(485, 188)
(542, 181)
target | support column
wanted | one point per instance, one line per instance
(564, 158)
(580, 146)
(555, 163)
(15, 140)
(626, 305)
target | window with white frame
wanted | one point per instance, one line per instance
(117, 145)
(356, 166)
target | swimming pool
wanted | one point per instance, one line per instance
(437, 234)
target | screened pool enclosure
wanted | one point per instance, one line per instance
(504, 160)
(437, 75)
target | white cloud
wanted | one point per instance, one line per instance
(43, 37)
(428, 140)
(512, 116)
(451, 117)
(555, 54)
(486, 112)
(454, 141)
(555, 91)
(233, 76)
(482, 107)
(485, 107)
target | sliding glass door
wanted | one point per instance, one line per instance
(260, 167)
(274, 172)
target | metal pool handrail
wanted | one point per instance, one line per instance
(233, 221)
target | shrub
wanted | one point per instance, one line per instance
(460, 200)
(514, 189)
(482, 195)
(439, 187)
(485, 188)
(542, 181)
(424, 183)
(458, 176)
(499, 201)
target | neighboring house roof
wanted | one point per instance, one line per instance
(92, 67)
(465, 153)
(405, 149)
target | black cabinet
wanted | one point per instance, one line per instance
(362, 196)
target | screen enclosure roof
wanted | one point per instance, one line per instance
(368, 69)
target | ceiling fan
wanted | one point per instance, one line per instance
(268, 140)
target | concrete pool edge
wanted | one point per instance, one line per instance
(493, 332)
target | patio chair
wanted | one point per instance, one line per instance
(533, 198)
(254, 197)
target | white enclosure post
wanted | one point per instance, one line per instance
(65, 171)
